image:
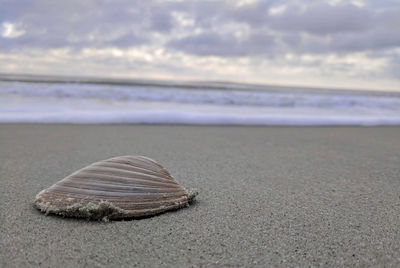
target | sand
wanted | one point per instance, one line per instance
(268, 196)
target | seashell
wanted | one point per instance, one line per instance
(120, 187)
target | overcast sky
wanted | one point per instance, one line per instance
(332, 43)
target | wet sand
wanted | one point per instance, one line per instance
(288, 196)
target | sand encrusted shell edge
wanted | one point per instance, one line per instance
(104, 210)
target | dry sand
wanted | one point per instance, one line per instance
(268, 196)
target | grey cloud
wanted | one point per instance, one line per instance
(323, 19)
(374, 40)
(225, 45)
(210, 43)
(255, 14)
(328, 29)
(206, 14)
(303, 27)
(161, 21)
(75, 24)
(394, 68)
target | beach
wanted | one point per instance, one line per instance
(268, 196)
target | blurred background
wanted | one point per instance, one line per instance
(248, 62)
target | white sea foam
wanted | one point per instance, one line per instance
(151, 104)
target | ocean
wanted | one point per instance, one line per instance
(34, 99)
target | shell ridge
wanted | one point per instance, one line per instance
(133, 168)
(149, 165)
(128, 174)
(115, 188)
(110, 194)
(94, 175)
(133, 183)
(144, 159)
(138, 160)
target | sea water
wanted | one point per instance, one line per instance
(56, 100)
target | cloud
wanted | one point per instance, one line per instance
(10, 30)
(78, 24)
(274, 27)
(323, 19)
(262, 33)
(213, 43)
(267, 26)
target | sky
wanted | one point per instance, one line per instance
(332, 43)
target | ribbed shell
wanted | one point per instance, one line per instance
(119, 187)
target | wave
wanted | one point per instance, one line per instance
(157, 104)
(198, 96)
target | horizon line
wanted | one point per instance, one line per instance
(184, 83)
